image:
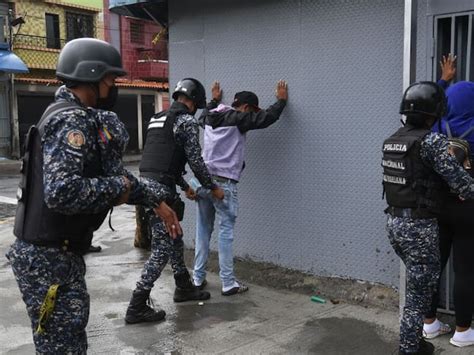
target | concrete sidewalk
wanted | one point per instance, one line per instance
(263, 320)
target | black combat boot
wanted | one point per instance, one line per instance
(139, 311)
(186, 291)
(425, 348)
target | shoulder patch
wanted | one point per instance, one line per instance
(75, 139)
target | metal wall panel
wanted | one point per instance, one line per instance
(310, 197)
(436, 7)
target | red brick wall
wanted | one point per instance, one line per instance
(132, 52)
(166, 102)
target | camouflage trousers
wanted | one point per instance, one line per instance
(163, 248)
(36, 268)
(416, 242)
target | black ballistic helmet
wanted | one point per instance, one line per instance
(193, 90)
(88, 60)
(426, 98)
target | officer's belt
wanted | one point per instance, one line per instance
(415, 213)
(223, 180)
(65, 245)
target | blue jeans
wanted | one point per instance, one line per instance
(226, 210)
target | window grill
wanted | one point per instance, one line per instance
(136, 32)
(79, 25)
(453, 34)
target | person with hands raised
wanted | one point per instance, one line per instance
(225, 130)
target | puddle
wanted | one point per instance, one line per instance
(111, 315)
(192, 316)
(343, 336)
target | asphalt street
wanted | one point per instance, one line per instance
(261, 321)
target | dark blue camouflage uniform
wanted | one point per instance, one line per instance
(186, 134)
(416, 242)
(69, 142)
(112, 141)
(36, 268)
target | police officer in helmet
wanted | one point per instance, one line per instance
(64, 196)
(417, 165)
(172, 141)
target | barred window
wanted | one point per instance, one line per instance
(79, 25)
(455, 34)
(136, 32)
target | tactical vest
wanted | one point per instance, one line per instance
(407, 181)
(37, 224)
(163, 159)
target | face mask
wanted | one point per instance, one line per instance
(107, 103)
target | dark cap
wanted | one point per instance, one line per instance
(246, 97)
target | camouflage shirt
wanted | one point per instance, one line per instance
(186, 134)
(434, 152)
(112, 142)
(70, 145)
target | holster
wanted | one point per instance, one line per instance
(22, 192)
(178, 206)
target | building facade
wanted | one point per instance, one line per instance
(49, 24)
(143, 45)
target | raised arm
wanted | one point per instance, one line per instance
(216, 99)
(448, 70)
(247, 121)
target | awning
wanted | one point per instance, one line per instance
(10, 62)
(155, 10)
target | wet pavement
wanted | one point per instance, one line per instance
(261, 321)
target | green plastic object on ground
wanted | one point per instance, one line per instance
(318, 299)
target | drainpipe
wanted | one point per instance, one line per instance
(15, 153)
(409, 77)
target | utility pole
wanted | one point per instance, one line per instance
(4, 90)
(15, 129)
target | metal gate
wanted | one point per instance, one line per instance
(453, 34)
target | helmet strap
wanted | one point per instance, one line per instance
(95, 88)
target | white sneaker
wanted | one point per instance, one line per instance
(437, 328)
(462, 339)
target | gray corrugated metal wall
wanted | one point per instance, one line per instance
(311, 194)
